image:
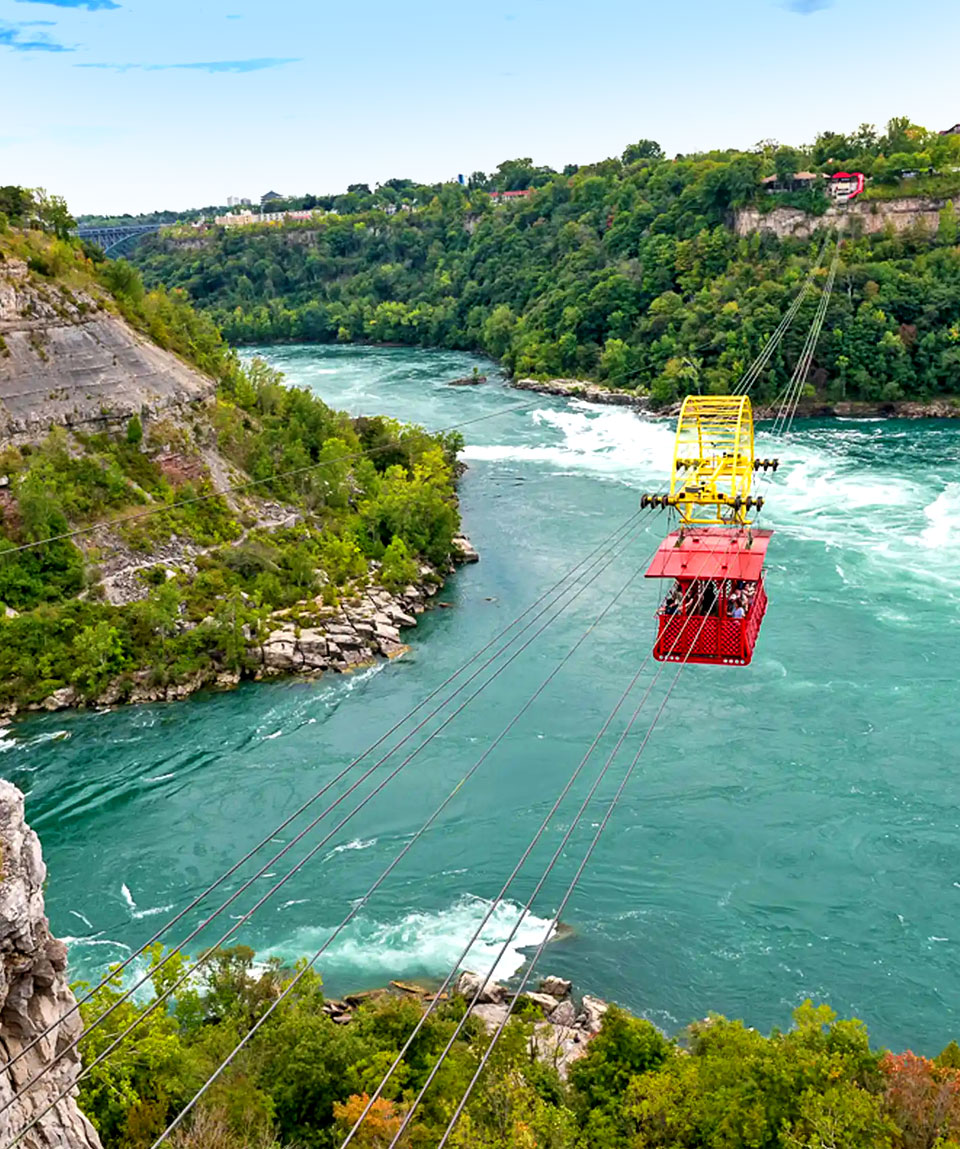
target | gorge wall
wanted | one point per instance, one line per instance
(862, 217)
(34, 993)
(67, 360)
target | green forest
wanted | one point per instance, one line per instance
(625, 271)
(366, 489)
(304, 1079)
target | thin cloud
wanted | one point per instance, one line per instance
(90, 5)
(213, 66)
(12, 36)
(808, 7)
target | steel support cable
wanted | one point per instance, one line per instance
(825, 305)
(408, 1116)
(780, 331)
(619, 531)
(614, 802)
(234, 487)
(209, 952)
(358, 905)
(432, 1005)
(794, 388)
(314, 850)
(766, 352)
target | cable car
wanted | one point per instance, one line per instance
(717, 597)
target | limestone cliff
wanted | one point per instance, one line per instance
(34, 993)
(67, 360)
(862, 217)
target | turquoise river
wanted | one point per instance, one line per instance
(791, 830)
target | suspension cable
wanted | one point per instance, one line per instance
(408, 1116)
(614, 801)
(434, 1002)
(802, 369)
(357, 906)
(209, 953)
(752, 373)
(567, 576)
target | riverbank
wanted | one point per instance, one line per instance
(309, 638)
(947, 407)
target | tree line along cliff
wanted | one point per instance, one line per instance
(629, 271)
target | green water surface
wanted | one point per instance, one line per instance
(791, 831)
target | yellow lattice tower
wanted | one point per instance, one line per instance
(713, 462)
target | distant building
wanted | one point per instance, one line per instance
(265, 199)
(500, 197)
(244, 218)
(232, 200)
(954, 131)
(797, 182)
(237, 219)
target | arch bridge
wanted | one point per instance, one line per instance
(113, 239)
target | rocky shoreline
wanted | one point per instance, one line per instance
(563, 1023)
(946, 408)
(308, 639)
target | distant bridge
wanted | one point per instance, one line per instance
(112, 238)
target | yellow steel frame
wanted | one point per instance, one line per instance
(713, 459)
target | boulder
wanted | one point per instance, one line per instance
(558, 1045)
(280, 650)
(60, 699)
(547, 1002)
(468, 984)
(565, 1014)
(463, 550)
(491, 1014)
(592, 1010)
(558, 986)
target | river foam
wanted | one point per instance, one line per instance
(420, 943)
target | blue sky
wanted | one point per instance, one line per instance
(131, 105)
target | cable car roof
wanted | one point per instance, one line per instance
(712, 554)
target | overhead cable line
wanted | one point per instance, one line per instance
(234, 487)
(614, 801)
(408, 1116)
(432, 1005)
(568, 575)
(360, 903)
(604, 563)
(794, 391)
(752, 373)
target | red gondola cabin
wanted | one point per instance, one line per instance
(717, 600)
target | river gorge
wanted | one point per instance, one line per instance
(790, 832)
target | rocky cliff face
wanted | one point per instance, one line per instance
(33, 994)
(862, 217)
(66, 361)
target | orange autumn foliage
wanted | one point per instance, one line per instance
(379, 1127)
(923, 1098)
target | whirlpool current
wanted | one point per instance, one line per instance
(793, 830)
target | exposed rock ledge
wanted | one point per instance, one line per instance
(945, 408)
(68, 361)
(338, 639)
(582, 389)
(34, 993)
(559, 1039)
